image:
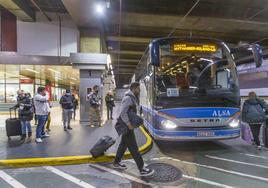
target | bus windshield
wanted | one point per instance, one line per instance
(196, 74)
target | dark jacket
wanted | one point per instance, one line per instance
(25, 106)
(128, 114)
(67, 101)
(75, 103)
(94, 100)
(109, 99)
(254, 111)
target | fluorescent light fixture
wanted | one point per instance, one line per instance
(72, 83)
(52, 70)
(31, 70)
(99, 9)
(73, 78)
(57, 78)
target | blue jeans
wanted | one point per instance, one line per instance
(25, 127)
(40, 126)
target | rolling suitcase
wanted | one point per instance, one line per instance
(13, 125)
(101, 146)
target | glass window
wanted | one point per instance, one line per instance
(2, 93)
(12, 80)
(11, 92)
(27, 88)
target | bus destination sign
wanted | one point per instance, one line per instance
(188, 47)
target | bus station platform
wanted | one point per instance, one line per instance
(63, 147)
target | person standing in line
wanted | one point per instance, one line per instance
(67, 104)
(254, 113)
(94, 108)
(75, 106)
(41, 104)
(109, 99)
(48, 118)
(128, 140)
(25, 106)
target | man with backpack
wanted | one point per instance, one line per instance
(94, 108)
(128, 140)
(67, 104)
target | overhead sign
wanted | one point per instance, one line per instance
(189, 47)
(26, 81)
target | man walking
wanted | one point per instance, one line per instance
(94, 108)
(41, 110)
(67, 104)
(128, 140)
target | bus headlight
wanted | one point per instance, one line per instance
(235, 120)
(169, 124)
(234, 123)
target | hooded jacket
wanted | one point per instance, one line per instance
(254, 111)
(129, 100)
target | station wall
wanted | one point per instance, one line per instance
(43, 37)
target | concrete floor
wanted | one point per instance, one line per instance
(230, 163)
(227, 163)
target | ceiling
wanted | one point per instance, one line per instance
(142, 20)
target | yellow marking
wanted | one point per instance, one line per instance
(71, 160)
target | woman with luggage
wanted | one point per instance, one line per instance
(254, 113)
(25, 106)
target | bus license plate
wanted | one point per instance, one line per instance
(205, 133)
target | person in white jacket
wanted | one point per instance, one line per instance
(42, 109)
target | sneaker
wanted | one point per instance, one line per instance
(65, 129)
(70, 128)
(259, 147)
(146, 172)
(92, 125)
(119, 166)
(48, 130)
(45, 135)
(38, 140)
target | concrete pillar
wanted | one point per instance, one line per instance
(92, 67)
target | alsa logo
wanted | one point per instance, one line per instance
(221, 113)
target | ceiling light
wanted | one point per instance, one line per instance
(57, 78)
(73, 78)
(31, 70)
(99, 9)
(54, 70)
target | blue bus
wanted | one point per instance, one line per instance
(190, 90)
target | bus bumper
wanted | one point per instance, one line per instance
(219, 134)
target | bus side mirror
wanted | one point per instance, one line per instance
(245, 49)
(257, 54)
(154, 53)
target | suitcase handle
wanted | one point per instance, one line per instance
(10, 109)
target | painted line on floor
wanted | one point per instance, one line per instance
(11, 181)
(123, 175)
(68, 177)
(215, 168)
(72, 160)
(207, 181)
(238, 162)
(256, 156)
